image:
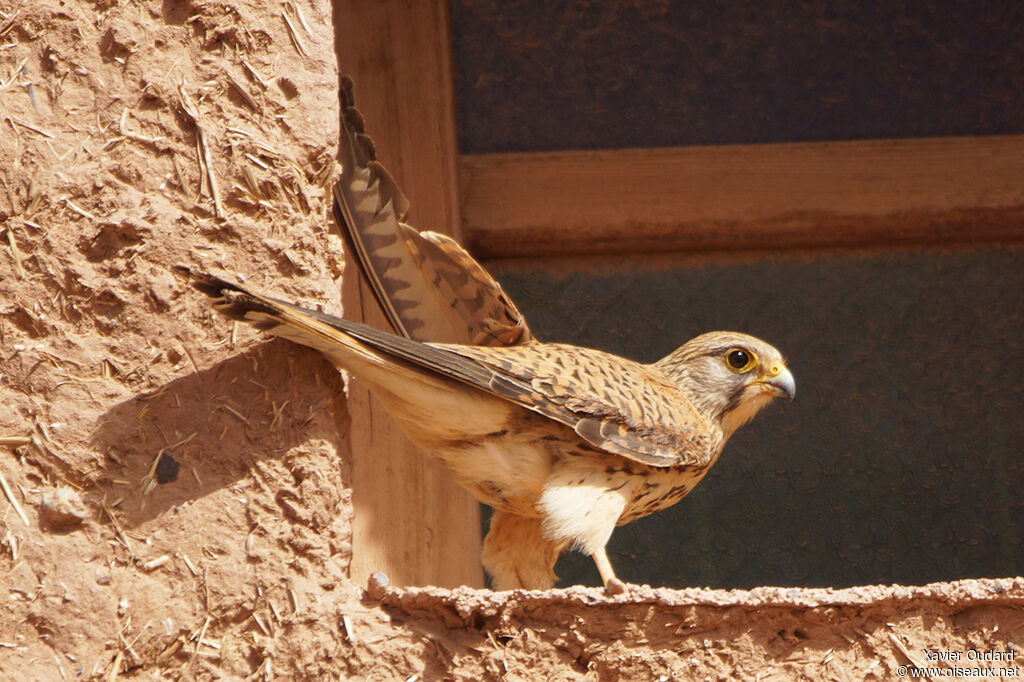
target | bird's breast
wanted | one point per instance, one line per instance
(655, 489)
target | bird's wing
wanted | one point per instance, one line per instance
(615, 404)
(429, 287)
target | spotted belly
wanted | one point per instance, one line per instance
(655, 489)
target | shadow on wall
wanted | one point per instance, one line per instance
(237, 418)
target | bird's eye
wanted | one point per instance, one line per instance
(740, 360)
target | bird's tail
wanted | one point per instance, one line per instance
(418, 383)
(306, 327)
(349, 345)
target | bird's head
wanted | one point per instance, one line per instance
(729, 376)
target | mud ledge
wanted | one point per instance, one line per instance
(864, 632)
(467, 602)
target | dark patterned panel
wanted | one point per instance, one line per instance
(539, 75)
(902, 457)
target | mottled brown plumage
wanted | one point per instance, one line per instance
(565, 442)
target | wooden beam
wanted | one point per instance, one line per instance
(868, 192)
(411, 521)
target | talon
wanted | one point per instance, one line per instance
(614, 587)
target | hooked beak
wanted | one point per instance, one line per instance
(780, 380)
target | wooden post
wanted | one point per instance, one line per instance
(411, 521)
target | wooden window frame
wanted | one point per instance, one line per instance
(928, 191)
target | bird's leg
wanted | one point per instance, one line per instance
(517, 555)
(581, 504)
(612, 585)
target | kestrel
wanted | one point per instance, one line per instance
(565, 442)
